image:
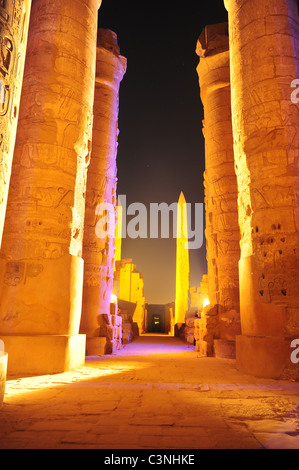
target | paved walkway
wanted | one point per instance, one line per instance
(156, 393)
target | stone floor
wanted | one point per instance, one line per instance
(156, 393)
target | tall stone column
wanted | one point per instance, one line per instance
(99, 229)
(41, 267)
(14, 21)
(221, 192)
(264, 60)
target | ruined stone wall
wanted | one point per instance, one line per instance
(129, 286)
(14, 22)
(206, 329)
(199, 295)
(264, 56)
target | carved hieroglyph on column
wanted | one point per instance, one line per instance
(182, 262)
(14, 21)
(264, 56)
(221, 192)
(41, 256)
(99, 229)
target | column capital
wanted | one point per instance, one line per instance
(108, 50)
(212, 40)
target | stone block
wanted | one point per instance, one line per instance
(113, 309)
(205, 348)
(107, 331)
(96, 346)
(127, 328)
(268, 357)
(44, 354)
(135, 329)
(104, 319)
(190, 338)
(113, 346)
(127, 338)
(225, 349)
(42, 297)
(190, 322)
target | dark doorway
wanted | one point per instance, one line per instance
(156, 319)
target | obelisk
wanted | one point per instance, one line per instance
(182, 263)
(118, 231)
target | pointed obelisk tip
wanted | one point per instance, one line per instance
(182, 198)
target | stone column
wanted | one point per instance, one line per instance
(264, 60)
(99, 229)
(14, 21)
(41, 267)
(221, 192)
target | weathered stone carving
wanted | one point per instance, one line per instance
(265, 130)
(128, 286)
(41, 265)
(14, 21)
(222, 228)
(99, 251)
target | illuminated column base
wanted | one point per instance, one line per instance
(263, 350)
(265, 356)
(39, 326)
(44, 354)
(29, 306)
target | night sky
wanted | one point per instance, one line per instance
(161, 146)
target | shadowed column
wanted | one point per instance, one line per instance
(41, 267)
(99, 229)
(221, 192)
(264, 62)
(14, 21)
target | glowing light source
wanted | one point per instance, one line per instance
(113, 299)
(205, 303)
